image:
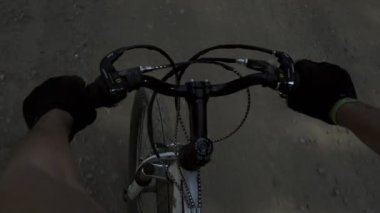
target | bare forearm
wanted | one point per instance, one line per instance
(43, 175)
(363, 120)
(46, 148)
(43, 169)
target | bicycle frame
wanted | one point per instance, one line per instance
(172, 173)
(191, 178)
(185, 163)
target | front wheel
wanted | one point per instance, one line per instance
(156, 198)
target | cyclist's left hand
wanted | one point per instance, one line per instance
(67, 93)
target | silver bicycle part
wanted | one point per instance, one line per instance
(167, 188)
(188, 187)
(186, 195)
(160, 172)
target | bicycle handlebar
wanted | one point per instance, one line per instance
(279, 78)
(197, 153)
(132, 80)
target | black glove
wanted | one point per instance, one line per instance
(66, 93)
(318, 87)
(99, 96)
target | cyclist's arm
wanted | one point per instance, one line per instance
(42, 175)
(325, 91)
(363, 120)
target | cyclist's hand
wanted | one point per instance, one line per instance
(64, 92)
(319, 86)
(99, 96)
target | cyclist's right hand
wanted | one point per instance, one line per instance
(99, 96)
(318, 87)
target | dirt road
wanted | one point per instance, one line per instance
(280, 161)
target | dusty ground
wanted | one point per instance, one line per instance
(279, 162)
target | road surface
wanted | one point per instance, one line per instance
(280, 161)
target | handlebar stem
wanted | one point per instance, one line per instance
(197, 98)
(198, 152)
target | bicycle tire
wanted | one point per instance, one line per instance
(138, 141)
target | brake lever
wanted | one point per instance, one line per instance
(108, 72)
(119, 82)
(286, 73)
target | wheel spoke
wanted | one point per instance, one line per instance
(162, 125)
(144, 149)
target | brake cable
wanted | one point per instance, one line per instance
(215, 61)
(226, 46)
(178, 72)
(150, 105)
(196, 56)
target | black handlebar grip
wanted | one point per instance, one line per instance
(99, 95)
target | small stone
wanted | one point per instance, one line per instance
(312, 141)
(346, 50)
(302, 140)
(339, 141)
(89, 176)
(182, 11)
(33, 73)
(321, 171)
(150, 26)
(108, 111)
(85, 43)
(22, 15)
(336, 181)
(76, 55)
(2, 77)
(345, 200)
(336, 192)
(304, 207)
